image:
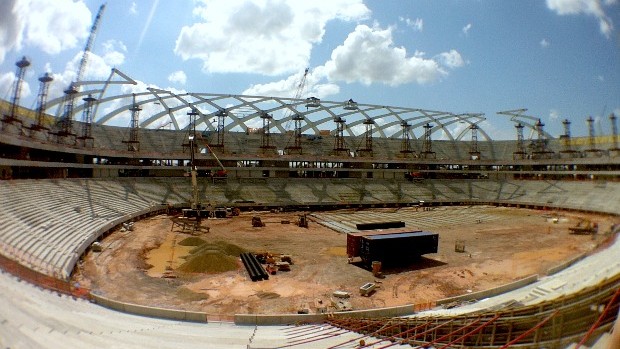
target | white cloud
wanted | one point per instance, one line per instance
(416, 24)
(55, 25)
(554, 114)
(544, 43)
(11, 27)
(114, 52)
(314, 86)
(50, 25)
(133, 9)
(589, 7)
(261, 36)
(6, 85)
(451, 59)
(368, 55)
(466, 29)
(178, 77)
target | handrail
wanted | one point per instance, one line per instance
(600, 318)
(526, 333)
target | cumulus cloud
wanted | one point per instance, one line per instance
(415, 24)
(466, 29)
(260, 36)
(50, 25)
(6, 84)
(178, 77)
(133, 9)
(315, 85)
(11, 27)
(368, 55)
(451, 59)
(55, 25)
(544, 43)
(588, 7)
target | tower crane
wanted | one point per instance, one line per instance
(298, 92)
(66, 122)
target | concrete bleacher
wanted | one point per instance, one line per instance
(48, 224)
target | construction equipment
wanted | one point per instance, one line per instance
(303, 221)
(66, 123)
(257, 222)
(584, 227)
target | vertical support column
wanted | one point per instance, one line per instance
(339, 145)
(520, 153)
(474, 151)
(614, 151)
(87, 119)
(567, 147)
(10, 122)
(427, 145)
(367, 150)
(133, 144)
(36, 129)
(266, 132)
(221, 116)
(296, 147)
(540, 150)
(405, 144)
(592, 151)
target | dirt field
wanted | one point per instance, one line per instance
(507, 245)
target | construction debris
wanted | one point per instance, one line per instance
(257, 222)
(584, 227)
(367, 289)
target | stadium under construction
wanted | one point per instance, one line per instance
(75, 168)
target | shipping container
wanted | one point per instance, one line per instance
(396, 248)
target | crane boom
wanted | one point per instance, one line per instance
(89, 45)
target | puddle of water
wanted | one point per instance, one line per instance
(168, 254)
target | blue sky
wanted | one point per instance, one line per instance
(560, 59)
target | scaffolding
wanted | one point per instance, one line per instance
(296, 147)
(133, 144)
(367, 149)
(44, 86)
(339, 145)
(266, 133)
(427, 145)
(11, 119)
(474, 151)
(520, 153)
(87, 119)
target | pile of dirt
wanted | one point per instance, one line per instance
(211, 258)
(192, 241)
(209, 261)
(223, 246)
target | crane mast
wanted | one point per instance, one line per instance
(66, 122)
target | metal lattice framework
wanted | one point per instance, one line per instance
(244, 112)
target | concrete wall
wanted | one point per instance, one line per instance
(490, 292)
(285, 319)
(149, 311)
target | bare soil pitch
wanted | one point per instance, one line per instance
(518, 244)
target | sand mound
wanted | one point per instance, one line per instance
(222, 246)
(192, 241)
(209, 262)
(213, 257)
